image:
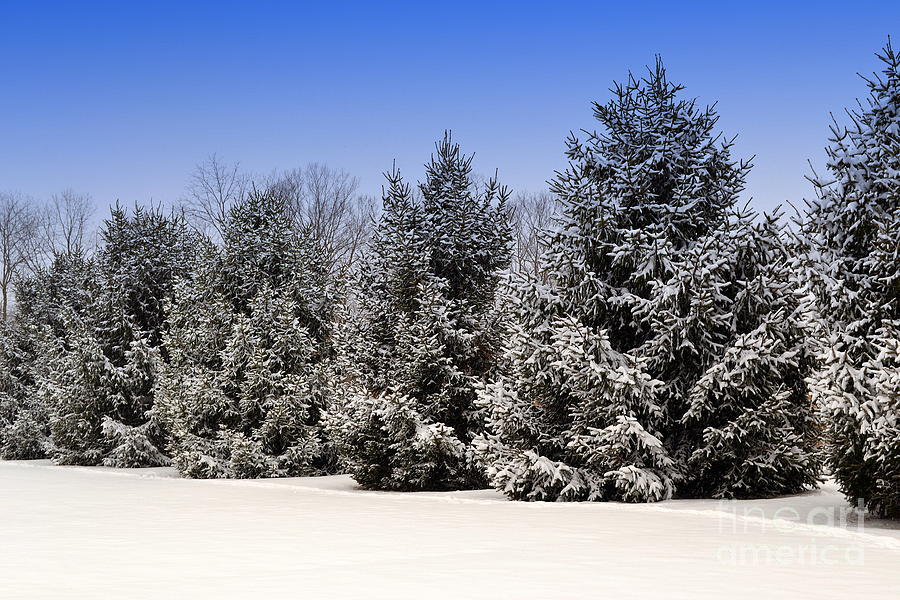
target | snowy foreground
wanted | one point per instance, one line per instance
(69, 532)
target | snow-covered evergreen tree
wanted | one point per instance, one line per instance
(143, 256)
(68, 284)
(425, 332)
(852, 229)
(99, 386)
(641, 322)
(22, 422)
(243, 387)
(750, 426)
(573, 418)
(100, 380)
(27, 345)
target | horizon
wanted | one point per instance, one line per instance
(121, 102)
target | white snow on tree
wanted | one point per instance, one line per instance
(852, 230)
(22, 421)
(554, 433)
(750, 425)
(243, 387)
(100, 381)
(28, 342)
(642, 318)
(100, 392)
(424, 331)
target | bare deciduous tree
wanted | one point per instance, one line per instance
(532, 217)
(66, 221)
(61, 227)
(213, 188)
(18, 224)
(324, 202)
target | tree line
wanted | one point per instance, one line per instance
(634, 334)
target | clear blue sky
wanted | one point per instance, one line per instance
(121, 99)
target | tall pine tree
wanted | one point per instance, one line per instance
(101, 378)
(28, 345)
(243, 388)
(749, 426)
(425, 330)
(852, 229)
(619, 365)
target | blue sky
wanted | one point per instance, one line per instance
(121, 99)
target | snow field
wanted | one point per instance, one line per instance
(69, 532)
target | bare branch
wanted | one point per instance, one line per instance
(212, 189)
(18, 226)
(324, 202)
(532, 215)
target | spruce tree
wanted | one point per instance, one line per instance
(425, 330)
(100, 389)
(29, 342)
(751, 428)
(620, 364)
(68, 284)
(101, 378)
(243, 388)
(143, 256)
(852, 229)
(22, 422)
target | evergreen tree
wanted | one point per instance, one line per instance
(852, 232)
(68, 284)
(22, 422)
(752, 430)
(143, 256)
(425, 331)
(27, 345)
(100, 380)
(620, 364)
(243, 388)
(100, 389)
(572, 418)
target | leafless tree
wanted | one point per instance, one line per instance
(532, 218)
(213, 188)
(324, 201)
(18, 225)
(62, 225)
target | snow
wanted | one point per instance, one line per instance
(95, 532)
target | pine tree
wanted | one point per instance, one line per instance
(68, 284)
(100, 390)
(101, 378)
(852, 232)
(425, 330)
(143, 256)
(554, 433)
(752, 429)
(243, 389)
(27, 345)
(618, 366)
(22, 422)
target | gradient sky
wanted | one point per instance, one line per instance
(121, 99)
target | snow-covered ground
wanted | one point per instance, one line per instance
(68, 532)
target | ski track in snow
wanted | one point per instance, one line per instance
(91, 532)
